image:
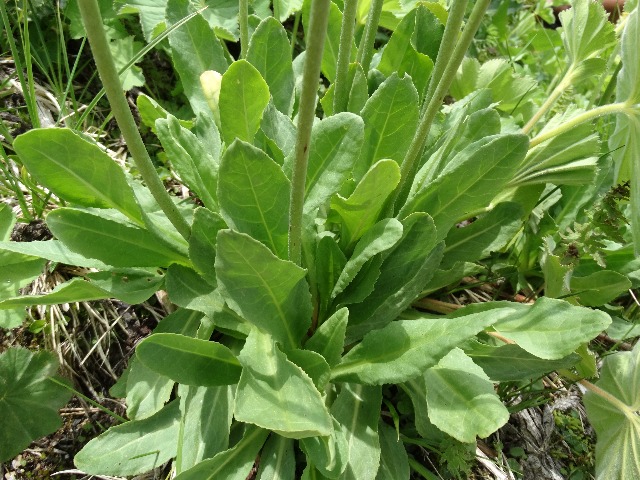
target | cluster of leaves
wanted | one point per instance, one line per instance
(289, 324)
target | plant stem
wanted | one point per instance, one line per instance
(621, 107)
(104, 62)
(365, 49)
(548, 103)
(294, 32)
(243, 19)
(88, 400)
(447, 46)
(341, 92)
(306, 113)
(410, 163)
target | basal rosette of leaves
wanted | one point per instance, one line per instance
(310, 242)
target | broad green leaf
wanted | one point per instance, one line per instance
(232, 464)
(568, 158)
(282, 9)
(329, 454)
(130, 286)
(328, 339)
(586, 31)
(403, 275)
(254, 196)
(357, 408)
(151, 14)
(625, 140)
(417, 391)
(76, 170)
(394, 462)
(458, 385)
(189, 361)
(134, 447)
(335, 146)
(358, 213)
(276, 394)
(277, 460)
(194, 50)
(390, 121)
(329, 263)
(556, 275)
(362, 284)
(313, 364)
(205, 423)
(244, 94)
(489, 233)
(508, 363)
(621, 260)
(7, 222)
(470, 181)
(228, 321)
(616, 421)
(147, 391)
(279, 128)
(81, 290)
(112, 242)
(406, 348)
(442, 278)
(403, 55)
(195, 167)
(550, 328)
(182, 321)
(270, 52)
(509, 89)
(187, 289)
(266, 291)
(16, 272)
(222, 16)
(383, 236)
(29, 399)
(202, 242)
(599, 287)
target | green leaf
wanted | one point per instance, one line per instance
(279, 128)
(330, 262)
(403, 275)
(254, 196)
(195, 167)
(599, 287)
(147, 391)
(470, 181)
(328, 339)
(243, 97)
(204, 428)
(567, 158)
(132, 287)
(508, 363)
(383, 236)
(16, 272)
(616, 422)
(329, 454)
(151, 14)
(282, 9)
(187, 289)
(202, 242)
(53, 250)
(112, 241)
(335, 146)
(405, 348)
(358, 93)
(7, 222)
(550, 328)
(417, 391)
(624, 142)
(277, 460)
(357, 408)
(401, 54)
(358, 213)
(134, 447)
(270, 52)
(266, 291)
(313, 365)
(457, 384)
(390, 121)
(194, 50)
(276, 394)
(586, 31)
(394, 462)
(489, 233)
(76, 170)
(189, 361)
(232, 464)
(29, 399)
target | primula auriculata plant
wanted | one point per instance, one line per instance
(296, 272)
